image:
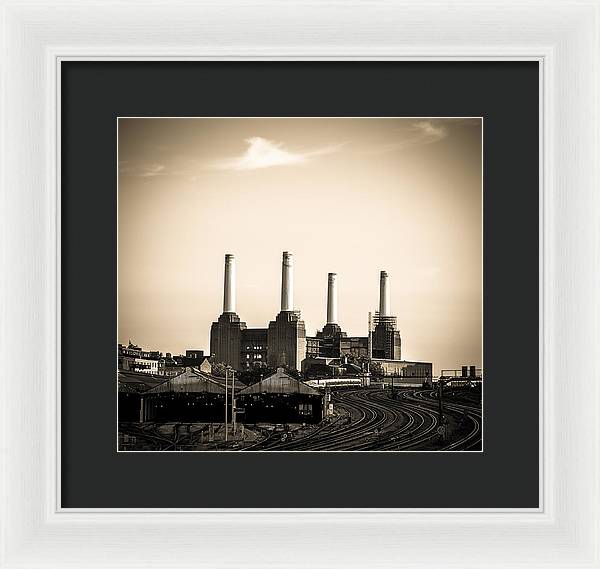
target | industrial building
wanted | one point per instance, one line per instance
(197, 397)
(421, 371)
(184, 389)
(131, 386)
(332, 342)
(282, 343)
(197, 359)
(191, 396)
(386, 342)
(280, 398)
(133, 358)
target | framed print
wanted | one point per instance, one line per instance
(279, 388)
(346, 397)
(291, 284)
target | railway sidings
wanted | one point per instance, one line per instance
(365, 419)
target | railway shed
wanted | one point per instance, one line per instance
(280, 398)
(131, 386)
(191, 396)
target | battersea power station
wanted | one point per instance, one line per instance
(284, 342)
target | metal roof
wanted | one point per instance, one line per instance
(279, 382)
(193, 380)
(137, 382)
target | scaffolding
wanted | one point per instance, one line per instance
(388, 322)
(384, 337)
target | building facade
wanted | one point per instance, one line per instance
(286, 340)
(283, 343)
(254, 347)
(133, 358)
(226, 339)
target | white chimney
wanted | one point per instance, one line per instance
(384, 295)
(287, 283)
(332, 305)
(229, 288)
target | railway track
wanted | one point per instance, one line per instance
(380, 422)
(467, 410)
(366, 420)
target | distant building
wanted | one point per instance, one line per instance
(313, 347)
(318, 366)
(283, 343)
(332, 341)
(404, 369)
(197, 359)
(254, 347)
(133, 358)
(321, 367)
(386, 338)
(355, 346)
(387, 343)
(226, 339)
(170, 365)
(286, 340)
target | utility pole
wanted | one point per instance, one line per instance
(233, 405)
(370, 341)
(226, 378)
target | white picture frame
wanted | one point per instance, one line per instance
(562, 36)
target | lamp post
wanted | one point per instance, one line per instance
(441, 381)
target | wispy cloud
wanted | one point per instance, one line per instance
(417, 133)
(143, 170)
(264, 153)
(428, 132)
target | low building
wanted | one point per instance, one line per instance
(321, 367)
(190, 397)
(416, 372)
(280, 398)
(133, 358)
(197, 359)
(132, 385)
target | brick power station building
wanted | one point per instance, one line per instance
(284, 341)
(383, 342)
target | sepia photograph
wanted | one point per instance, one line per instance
(292, 284)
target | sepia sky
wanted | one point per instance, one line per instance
(352, 196)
